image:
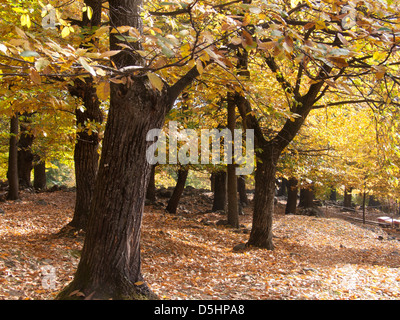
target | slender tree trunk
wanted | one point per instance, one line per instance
(180, 186)
(219, 202)
(233, 209)
(292, 191)
(25, 155)
(151, 188)
(283, 188)
(39, 175)
(12, 173)
(86, 156)
(241, 183)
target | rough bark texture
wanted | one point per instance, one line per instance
(261, 232)
(178, 190)
(12, 173)
(292, 190)
(219, 202)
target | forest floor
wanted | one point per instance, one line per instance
(189, 256)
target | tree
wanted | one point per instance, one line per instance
(110, 265)
(292, 190)
(305, 52)
(178, 190)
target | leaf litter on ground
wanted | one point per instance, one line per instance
(190, 256)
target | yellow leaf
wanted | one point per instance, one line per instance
(103, 90)
(155, 81)
(199, 66)
(139, 283)
(65, 32)
(89, 12)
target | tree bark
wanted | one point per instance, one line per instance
(39, 175)
(241, 183)
(347, 197)
(178, 190)
(233, 209)
(86, 156)
(261, 231)
(25, 156)
(306, 197)
(12, 174)
(219, 202)
(151, 188)
(292, 190)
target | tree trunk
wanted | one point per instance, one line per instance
(86, 156)
(283, 188)
(306, 197)
(233, 209)
(292, 190)
(151, 188)
(241, 183)
(12, 173)
(219, 202)
(39, 175)
(333, 194)
(347, 197)
(180, 186)
(261, 231)
(25, 156)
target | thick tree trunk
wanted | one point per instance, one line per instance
(180, 186)
(12, 173)
(292, 190)
(151, 188)
(39, 175)
(261, 232)
(219, 202)
(306, 197)
(110, 262)
(25, 157)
